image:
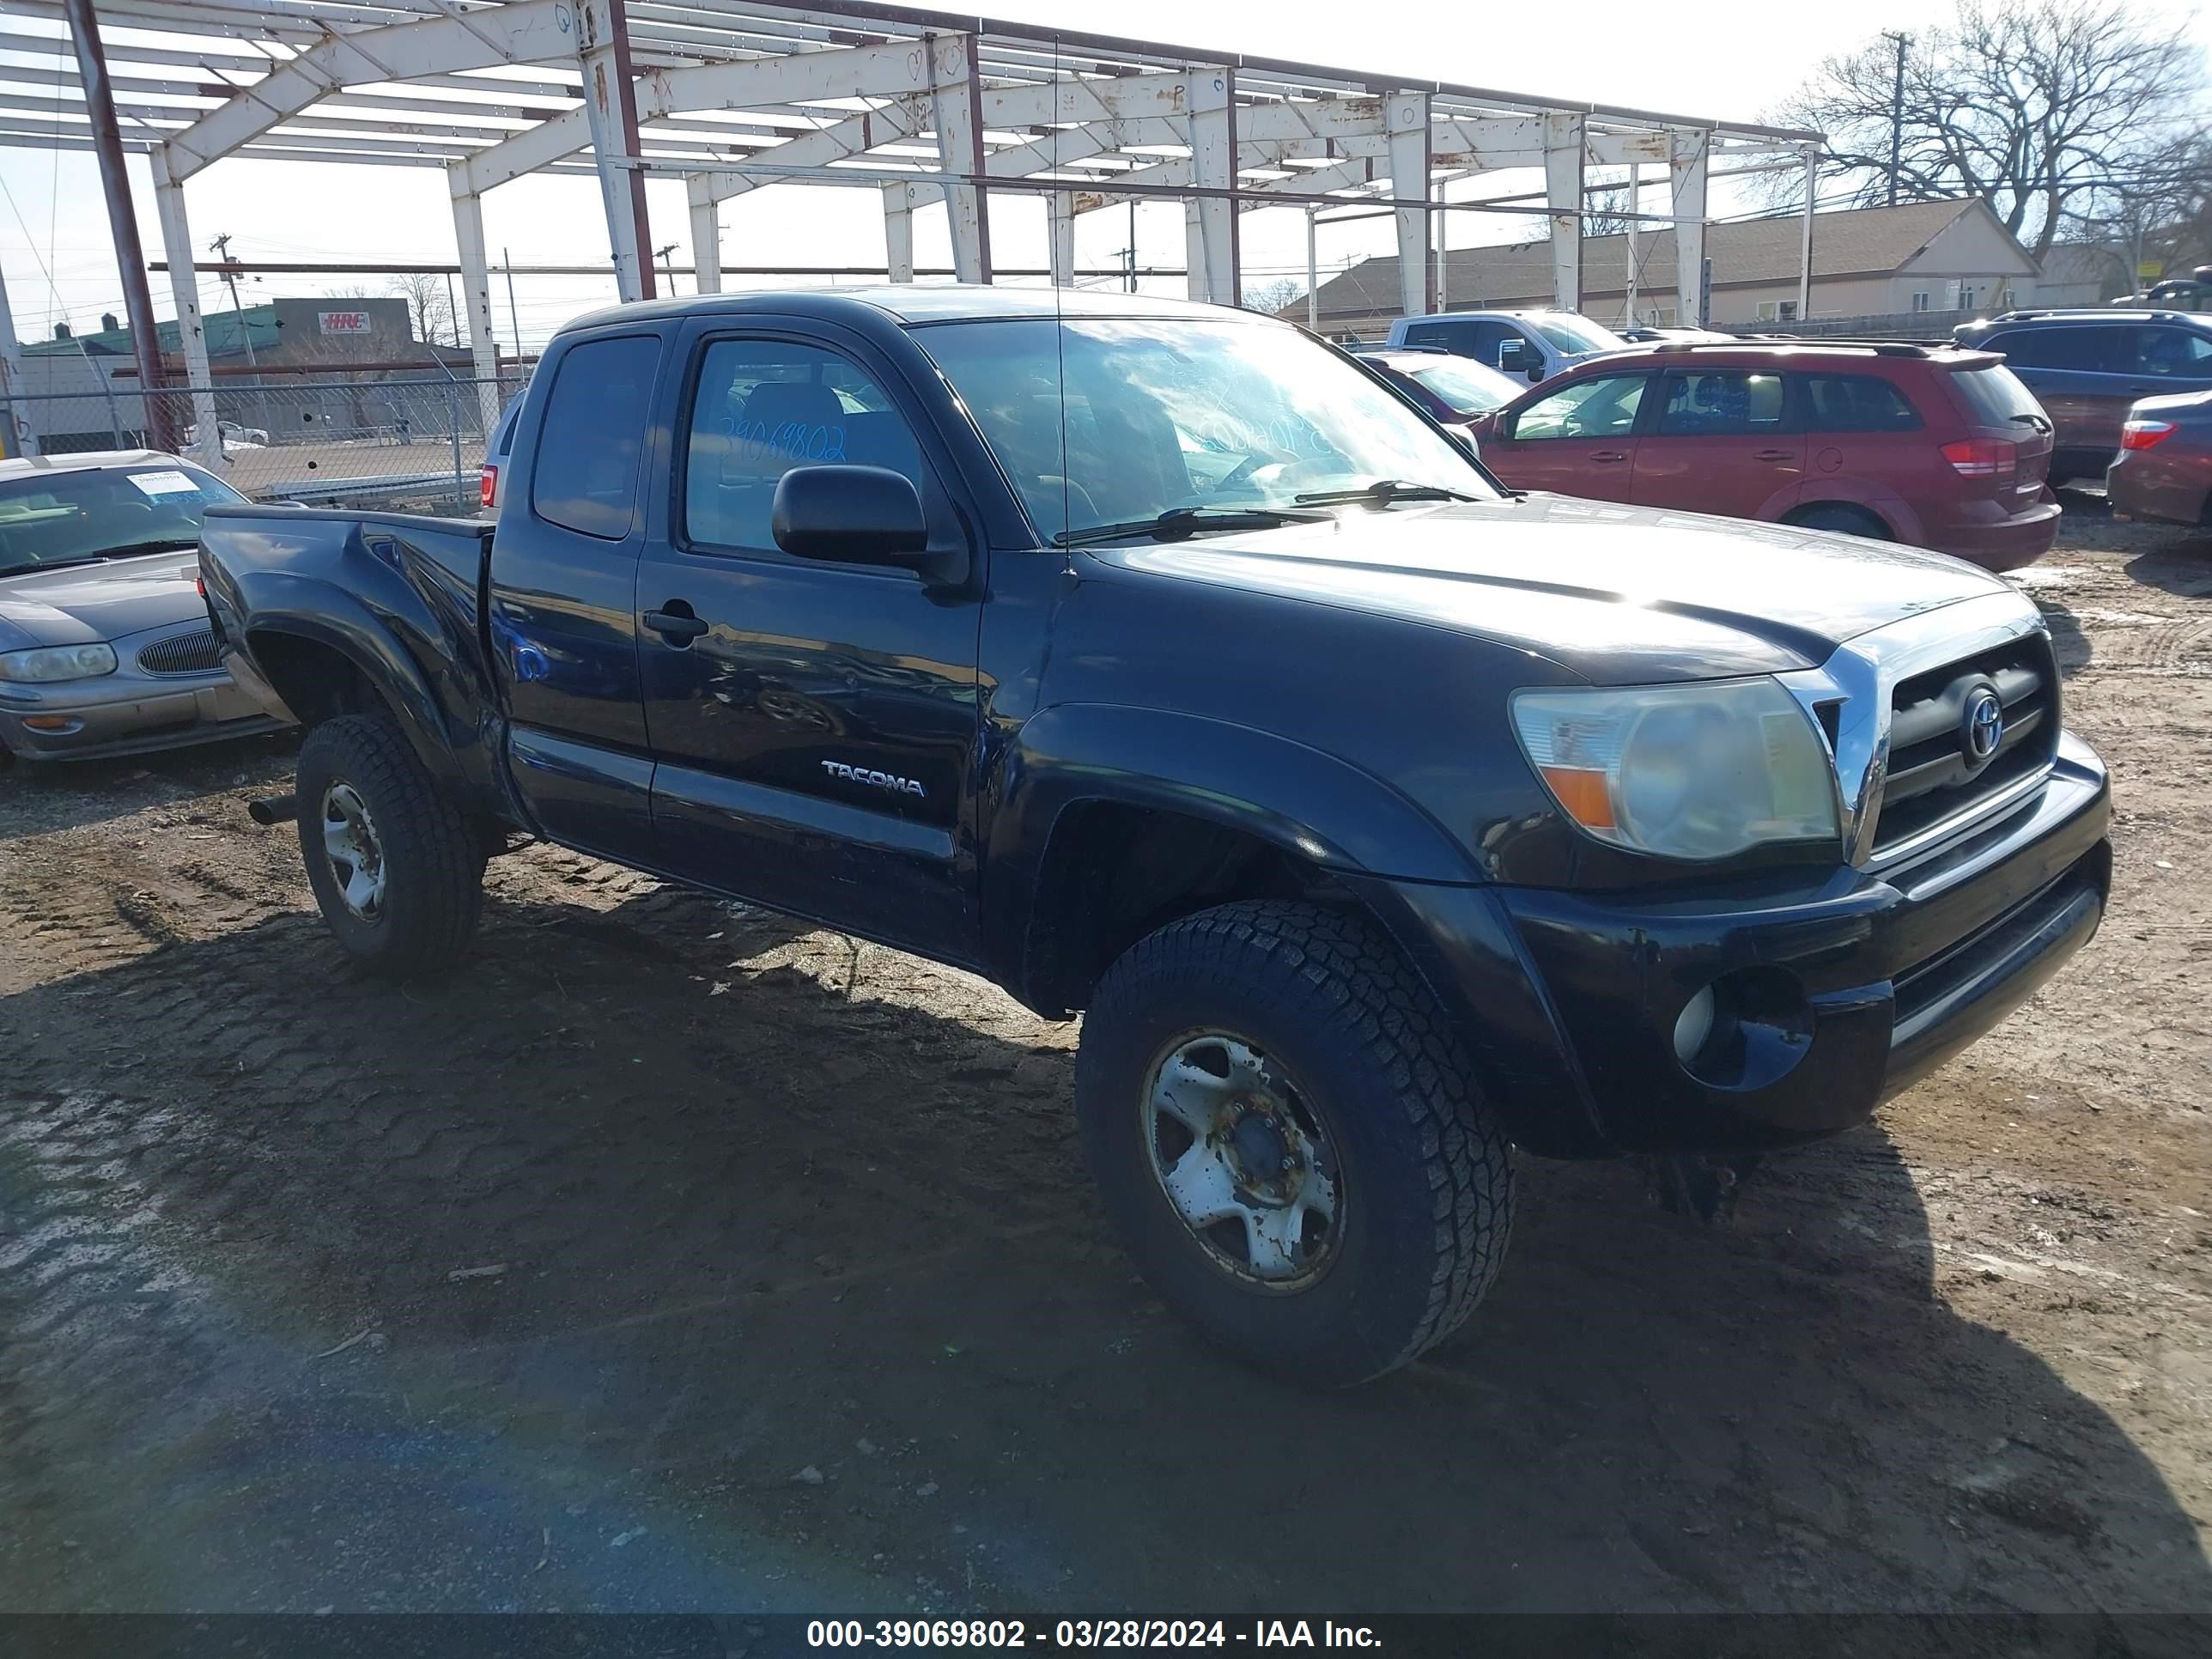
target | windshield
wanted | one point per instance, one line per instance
(1467, 387)
(1166, 414)
(1572, 333)
(52, 517)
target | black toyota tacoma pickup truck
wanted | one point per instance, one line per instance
(1160, 662)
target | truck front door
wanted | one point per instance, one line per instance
(814, 724)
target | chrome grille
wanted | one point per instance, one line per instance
(182, 654)
(1931, 779)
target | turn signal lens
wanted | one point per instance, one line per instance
(2142, 435)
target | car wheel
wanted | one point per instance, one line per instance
(1287, 1132)
(396, 867)
(1837, 516)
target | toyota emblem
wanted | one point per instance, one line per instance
(1984, 725)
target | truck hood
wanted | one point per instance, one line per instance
(1619, 595)
(81, 603)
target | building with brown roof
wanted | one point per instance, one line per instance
(1915, 257)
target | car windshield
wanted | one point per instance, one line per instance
(1162, 415)
(1574, 334)
(61, 517)
(1467, 387)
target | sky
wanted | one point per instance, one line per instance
(1733, 61)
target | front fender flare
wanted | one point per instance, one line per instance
(1308, 803)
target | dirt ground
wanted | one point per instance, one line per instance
(672, 1257)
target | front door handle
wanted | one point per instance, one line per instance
(1608, 454)
(1773, 454)
(675, 624)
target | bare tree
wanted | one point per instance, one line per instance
(1608, 207)
(1272, 297)
(2041, 108)
(428, 308)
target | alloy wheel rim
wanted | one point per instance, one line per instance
(1243, 1160)
(356, 853)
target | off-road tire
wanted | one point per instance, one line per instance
(1428, 1175)
(435, 857)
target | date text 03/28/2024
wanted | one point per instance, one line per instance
(1000, 1635)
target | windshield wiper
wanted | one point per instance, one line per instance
(2039, 423)
(1383, 491)
(53, 564)
(1180, 523)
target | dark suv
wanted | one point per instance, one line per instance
(2087, 366)
(1930, 445)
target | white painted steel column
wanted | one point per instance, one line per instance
(706, 233)
(1805, 251)
(1062, 211)
(1313, 269)
(1210, 222)
(22, 430)
(1563, 194)
(1406, 121)
(185, 289)
(1686, 168)
(1635, 225)
(898, 232)
(476, 296)
(955, 92)
(610, 107)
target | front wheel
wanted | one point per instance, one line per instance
(1287, 1132)
(395, 867)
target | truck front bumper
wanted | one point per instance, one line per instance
(1824, 1001)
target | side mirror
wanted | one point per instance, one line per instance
(850, 515)
(1512, 356)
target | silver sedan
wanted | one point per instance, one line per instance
(105, 647)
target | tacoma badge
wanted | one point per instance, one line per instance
(898, 786)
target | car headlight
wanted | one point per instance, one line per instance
(1697, 771)
(58, 662)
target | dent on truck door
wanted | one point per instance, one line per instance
(815, 724)
(563, 607)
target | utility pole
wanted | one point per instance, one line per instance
(667, 256)
(220, 248)
(1132, 245)
(453, 312)
(1313, 269)
(1896, 113)
(122, 223)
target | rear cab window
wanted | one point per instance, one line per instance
(592, 435)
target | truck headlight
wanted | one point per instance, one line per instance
(1698, 771)
(58, 662)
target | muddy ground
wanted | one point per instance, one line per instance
(672, 1257)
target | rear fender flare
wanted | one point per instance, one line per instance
(311, 608)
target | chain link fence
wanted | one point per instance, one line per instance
(407, 443)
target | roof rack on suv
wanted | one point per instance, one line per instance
(2106, 313)
(1880, 348)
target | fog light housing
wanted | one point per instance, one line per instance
(1693, 1025)
(1753, 1025)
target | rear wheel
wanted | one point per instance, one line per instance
(1840, 516)
(397, 869)
(1287, 1131)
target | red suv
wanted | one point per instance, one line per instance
(1936, 447)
